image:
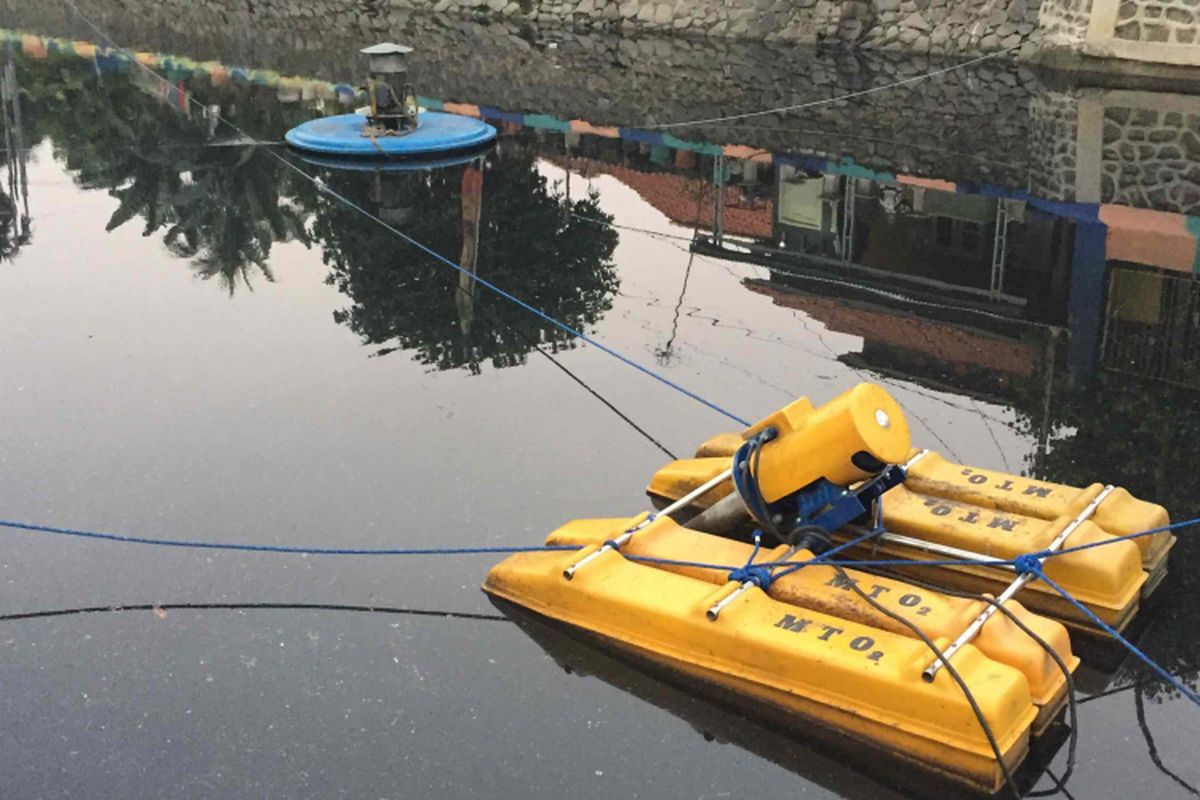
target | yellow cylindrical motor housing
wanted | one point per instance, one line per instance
(821, 442)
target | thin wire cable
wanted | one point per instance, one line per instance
(122, 607)
(838, 99)
(322, 186)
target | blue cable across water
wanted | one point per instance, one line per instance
(320, 184)
(281, 548)
(760, 574)
(1034, 567)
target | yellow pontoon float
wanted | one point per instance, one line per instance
(941, 681)
(946, 510)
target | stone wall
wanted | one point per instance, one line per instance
(917, 26)
(1162, 31)
(1151, 158)
(996, 122)
(1129, 148)
(922, 26)
(1165, 21)
(1065, 22)
(971, 124)
(1055, 134)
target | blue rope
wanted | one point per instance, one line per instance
(750, 572)
(672, 562)
(1173, 526)
(1028, 564)
(279, 548)
(322, 186)
(758, 575)
(523, 304)
(788, 565)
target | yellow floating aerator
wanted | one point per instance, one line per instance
(855, 678)
(841, 646)
(825, 588)
(949, 511)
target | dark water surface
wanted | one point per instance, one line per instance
(195, 343)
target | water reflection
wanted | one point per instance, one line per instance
(140, 138)
(1045, 298)
(534, 244)
(15, 220)
(223, 206)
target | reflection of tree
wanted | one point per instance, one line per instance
(220, 206)
(529, 244)
(14, 192)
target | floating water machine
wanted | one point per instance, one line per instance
(393, 126)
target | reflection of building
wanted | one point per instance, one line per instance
(922, 232)
(686, 200)
(1152, 325)
(1007, 254)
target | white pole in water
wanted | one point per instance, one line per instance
(973, 629)
(682, 502)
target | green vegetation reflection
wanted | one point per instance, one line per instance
(223, 204)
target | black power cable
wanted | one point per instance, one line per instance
(962, 684)
(1072, 703)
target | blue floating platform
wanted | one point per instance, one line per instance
(389, 165)
(436, 132)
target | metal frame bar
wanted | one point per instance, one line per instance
(977, 624)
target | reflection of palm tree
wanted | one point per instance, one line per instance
(222, 207)
(14, 196)
(404, 299)
(225, 216)
(228, 218)
(14, 227)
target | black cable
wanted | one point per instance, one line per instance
(1072, 703)
(115, 608)
(1152, 748)
(962, 684)
(757, 502)
(645, 434)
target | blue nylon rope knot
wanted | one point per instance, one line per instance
(1028, 564)
(759, 576)
(613, 543)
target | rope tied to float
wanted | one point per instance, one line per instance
(751, 573)
(1030, 563)
(759, 576)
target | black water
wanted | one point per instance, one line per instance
(197, 344)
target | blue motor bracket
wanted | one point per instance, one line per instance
(851, 504)
(821, 504)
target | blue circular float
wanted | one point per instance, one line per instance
(410, 164)
(436, 132)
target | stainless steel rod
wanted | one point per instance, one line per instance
(719, 606)
(931, 547)
(977, 624)
(682, 502)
